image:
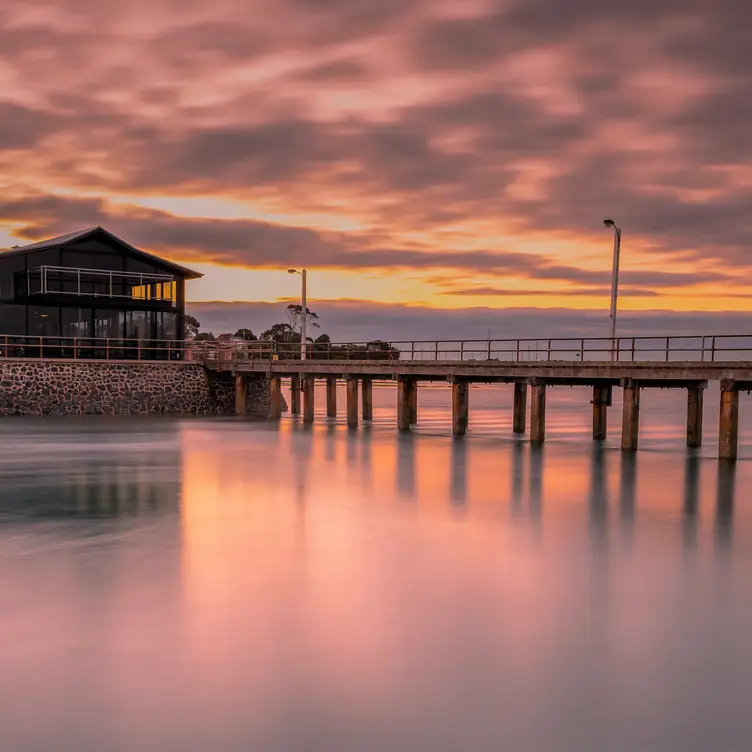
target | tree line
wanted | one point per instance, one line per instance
(287, 336)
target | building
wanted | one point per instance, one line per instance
(90, 288)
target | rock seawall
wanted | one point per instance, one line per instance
(41, 387)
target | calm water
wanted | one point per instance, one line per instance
(215, 584)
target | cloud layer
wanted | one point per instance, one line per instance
(475, 145)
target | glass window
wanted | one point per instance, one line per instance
(167, 325)
(44, 321)
(76, 322)
(138, 324)
(108, 324)
(12, 319)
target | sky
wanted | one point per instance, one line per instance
(440, 160)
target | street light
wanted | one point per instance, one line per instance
(304, 312)
(614, 282)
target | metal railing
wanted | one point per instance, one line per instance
(64, 280)
(680, 348)
(91, 348)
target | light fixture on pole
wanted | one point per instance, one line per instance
(303, 312)
(614, 282)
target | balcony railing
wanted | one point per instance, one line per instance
(90, 348)
(66, 280)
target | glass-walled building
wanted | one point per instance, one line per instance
(90, 285)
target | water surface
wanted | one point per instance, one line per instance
(173, 584)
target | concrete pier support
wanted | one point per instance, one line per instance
(295, 395)
(728, 440)
(366, 399)
(403, 404)
(537, 413)
(275, 389)
(413, 402)
(331, 397)
(308, 399)
(519, 418)
(695, 396)
(460, 407)
(630, 421)
(352, 403)
(601, 403)
(241, 392)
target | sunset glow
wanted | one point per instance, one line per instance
(436, 154)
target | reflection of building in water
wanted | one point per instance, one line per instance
(103, 485)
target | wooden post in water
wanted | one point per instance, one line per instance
(630, 421)
(275, 388)
(331, 396)
(308, 398)
(695, 396)
(241, 391)
(519, 417)
(601, 403)
(403, 404)
(537, 413)
(295, 395)
(352, 403)
(367, 399)
(728, 440)
(413, 402)
(460, 407)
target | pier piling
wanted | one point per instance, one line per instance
(413, 402)
(295, 395)
(275, 387)
(367, 399)
(537, 413)
(519, 419)
(331, 396)
(630, 422)
(308, 399)
(403, 404)
(601, 403)
(352, 403)
(695, 396)
(728, 440)
(460, 407)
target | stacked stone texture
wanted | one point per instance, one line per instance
(90, 388)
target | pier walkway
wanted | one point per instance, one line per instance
(530, 366)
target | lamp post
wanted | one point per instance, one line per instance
(614, 282)
(304, 312)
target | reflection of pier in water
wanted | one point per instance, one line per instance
(118, 484)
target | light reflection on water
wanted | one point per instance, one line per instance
(221, 584)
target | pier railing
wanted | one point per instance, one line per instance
(654, 348)
(678, 348)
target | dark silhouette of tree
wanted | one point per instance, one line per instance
(246, 334)
(192, 326)
(204, 337)
(295, 317)
(281, 333)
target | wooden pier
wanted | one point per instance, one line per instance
(530, 382)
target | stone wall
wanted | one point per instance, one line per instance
(30, 387)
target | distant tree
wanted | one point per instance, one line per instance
(322, 339)
(281, 333)
(192, 326)
(295, 317)
(204, 337)
(246, 334)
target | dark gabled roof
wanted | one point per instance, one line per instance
(71, 237)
